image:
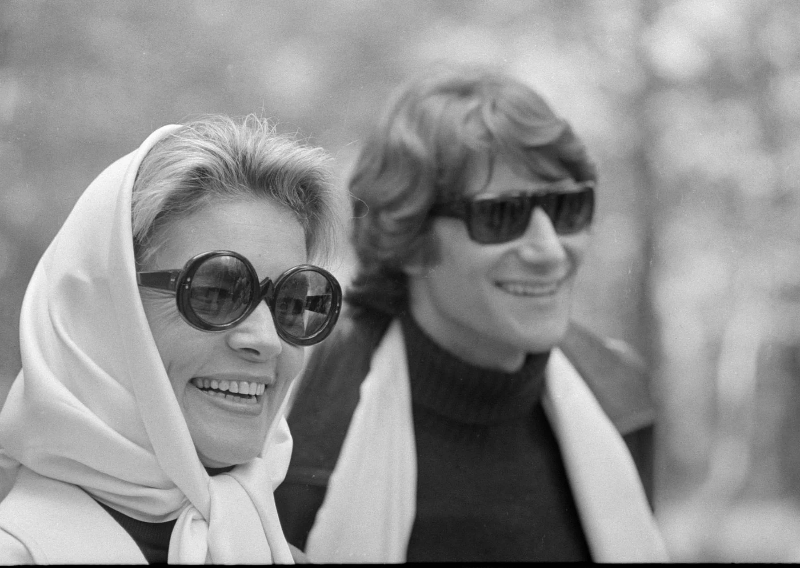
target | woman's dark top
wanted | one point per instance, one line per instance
(152, 538)
(491, 483)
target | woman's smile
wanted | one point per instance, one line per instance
(246, 392)
(235, 405)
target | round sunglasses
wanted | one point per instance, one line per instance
(217, 290)
(494, 219)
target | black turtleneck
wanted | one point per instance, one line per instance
(491, 485)
(152, 538)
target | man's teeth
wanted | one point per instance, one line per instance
(528, 289)
(238, 387)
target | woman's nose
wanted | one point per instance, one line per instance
(256, 338)
(541, 243)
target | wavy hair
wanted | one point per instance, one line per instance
(433, 136)
(221, 158)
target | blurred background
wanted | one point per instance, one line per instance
(690, 107)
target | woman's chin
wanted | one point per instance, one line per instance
(220, 457)
(217, 464)
(224, 437)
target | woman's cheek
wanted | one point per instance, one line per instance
(291, 362)
(181, 348)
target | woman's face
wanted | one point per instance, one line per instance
(203, 367)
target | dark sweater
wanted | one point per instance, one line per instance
(152, 538)
(491, 483)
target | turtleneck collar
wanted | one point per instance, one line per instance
(466, 393)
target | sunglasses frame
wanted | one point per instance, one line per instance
(179, 281)
(463, 208)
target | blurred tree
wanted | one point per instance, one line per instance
(726, 219)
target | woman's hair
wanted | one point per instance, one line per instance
(218, 158)
(435, 135)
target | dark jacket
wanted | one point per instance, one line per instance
(329, 393)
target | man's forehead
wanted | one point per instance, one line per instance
(504, 173)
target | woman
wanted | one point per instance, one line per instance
(148, 415)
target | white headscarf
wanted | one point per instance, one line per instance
(93, 405)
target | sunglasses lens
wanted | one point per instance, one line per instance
(303, 303)
(571, 212)
(499, 220)
(221, 290)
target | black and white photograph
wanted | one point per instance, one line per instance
(389, 281)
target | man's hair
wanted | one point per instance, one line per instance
(217, 158)
(431, 140)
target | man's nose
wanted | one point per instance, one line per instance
(541, 243)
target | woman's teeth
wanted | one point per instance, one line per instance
(228, 388)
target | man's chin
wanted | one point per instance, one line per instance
(545, 340)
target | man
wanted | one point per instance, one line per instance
(457, 414)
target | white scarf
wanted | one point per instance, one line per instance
(93, 405)
(369, 507)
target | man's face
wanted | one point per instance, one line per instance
(490, 305)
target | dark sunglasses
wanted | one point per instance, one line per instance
(493, 219)
(217, 290)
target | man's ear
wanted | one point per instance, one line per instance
(416, 264)
(424, 257)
